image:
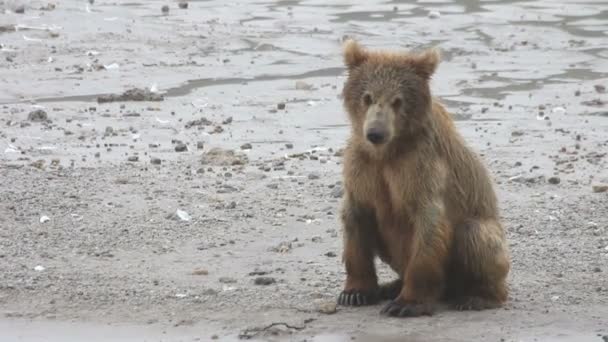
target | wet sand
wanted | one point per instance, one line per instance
(123, 221)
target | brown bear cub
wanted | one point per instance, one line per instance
(415, 195)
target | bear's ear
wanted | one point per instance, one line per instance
(354, 54)
(426, 62)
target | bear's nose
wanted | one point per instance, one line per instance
(376, 136)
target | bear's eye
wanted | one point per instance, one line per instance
(367, 99)
(397, 103)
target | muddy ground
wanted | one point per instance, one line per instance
(209, 210)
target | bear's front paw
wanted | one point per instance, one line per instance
(399, 308)
(357, 298)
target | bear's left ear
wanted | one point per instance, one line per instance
(426, 62)
(354, 54)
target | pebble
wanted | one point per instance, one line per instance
(37, 116)
(246, 146)
(434, 14)
(165, 9)
(599, 188)
(326, 307)
(232, 205)
(133, 158)
(600, 88)
(331, 254)
(155, 161)
(264, 281)
(337, 191)
(200, 145)
(314, 176)
(227, 280)
(281, 106)
(181, 147)
(44, 219)
(289, 145)
(20, 9)
(517, 133)
(554, 180)
(200, 271)
(183, 5)
(301, 85)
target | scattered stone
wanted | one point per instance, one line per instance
(165, 9)
(599, 88)
(221, 157)
(135, 94)
(301, 85)
(227, 280)
(281, 106)
(314, 176)
(200, 271)
(20, 9)
(316, 238)
(283, 247)
(326, 307)
(597, 270)
(200, 145)
(289, 145)
(331, 254)
(264, 281)
(133, 158)
(246, 146)
(517, 133)
(183, 5)
(37, 116)
(554, 180)
(228, 121)
(44, 219)
(337, 191)
(181, 147)
(198, 122)
(272, 186)
(232, 205)
(434, 14)
(600, 188)
(155, 161)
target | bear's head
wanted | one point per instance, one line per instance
(387, 94)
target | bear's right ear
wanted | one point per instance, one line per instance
(354, 54)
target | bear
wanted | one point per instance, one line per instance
(415, 195)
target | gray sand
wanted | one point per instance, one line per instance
(115, 227)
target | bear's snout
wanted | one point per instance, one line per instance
(376, 135)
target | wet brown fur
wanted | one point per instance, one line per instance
(423, 202)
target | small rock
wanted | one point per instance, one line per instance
(301, 85)
(281, 106)
(600, 88)
(181, 147)
(20, 9)
(434, 14)
(314, 176)
(289, 145)
(165, 9)
(200, 271)
(133, 158)
(337, 191)
(597, 270)
(331, 254)
(246, 146)
(517, 133)
(44, 219)
(39, 268)
(200, 145)
(264, 281)
(232, 205)
(38, 116)
(326, 307)
(316, 239)
(273, 186)
(155, 161)
(183, 5)
(227, 121)
(227, 280)
(554, 180)
(559, 110)
(600, 188)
